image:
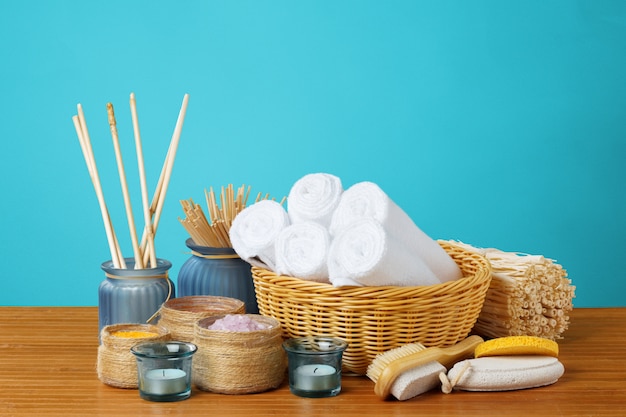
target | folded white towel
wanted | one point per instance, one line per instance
(314, 197)
(302, 251)
(365, 254)
(368, 200)
(254, 231)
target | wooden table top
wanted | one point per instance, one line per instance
(48, 368)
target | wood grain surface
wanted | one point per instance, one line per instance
(48, 359)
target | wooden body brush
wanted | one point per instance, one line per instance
(419, 367)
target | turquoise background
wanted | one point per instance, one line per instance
(497, 123)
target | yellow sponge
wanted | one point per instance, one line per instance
(517, 345)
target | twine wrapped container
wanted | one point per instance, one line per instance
(239, 362)
(374, 320)
(179, 315)
(116, 365)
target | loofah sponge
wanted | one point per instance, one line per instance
(417, 381)
(505, 373)
(517, 345)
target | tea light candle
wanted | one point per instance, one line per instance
(315, 365)
(165, 381)
(324, 345)
(315, 377)
(164, 370)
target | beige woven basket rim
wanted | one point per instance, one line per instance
(385, 291)
(202, 303)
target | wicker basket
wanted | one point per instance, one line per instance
(375, 319)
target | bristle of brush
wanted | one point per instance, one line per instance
(382, 360)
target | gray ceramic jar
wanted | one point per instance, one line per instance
(218, 272)
(133, 295)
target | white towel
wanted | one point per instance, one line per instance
(368, 200)
(302, 251)
(365, 254)
(254, 231)
(314, 197)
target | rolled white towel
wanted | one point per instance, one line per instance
(365, 254)
(254, 231)
(314, 197)
(368, 200)
(302, 251)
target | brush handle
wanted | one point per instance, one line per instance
(447, 356)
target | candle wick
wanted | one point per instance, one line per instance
(315, 370)
(163, 372)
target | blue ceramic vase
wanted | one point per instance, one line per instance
(217, 272)
(133, 295)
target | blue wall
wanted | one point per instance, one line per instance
(497, 123)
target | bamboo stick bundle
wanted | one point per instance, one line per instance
(528, 295)
(214, 230)
(144, 253)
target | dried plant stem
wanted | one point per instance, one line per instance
(166, 172)
(85, 143)
(147, 216)
(139, 264)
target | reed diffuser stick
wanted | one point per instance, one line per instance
(153, 204)
(147, 215)
(85, 144)
(169, 164)
(139, 264)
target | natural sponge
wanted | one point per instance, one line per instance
(505, 373)
(517, 345)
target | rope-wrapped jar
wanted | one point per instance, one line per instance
(179, 315)
(239, 362)
(116, 365)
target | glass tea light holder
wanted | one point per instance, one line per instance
(164, 370)
(314, 365)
